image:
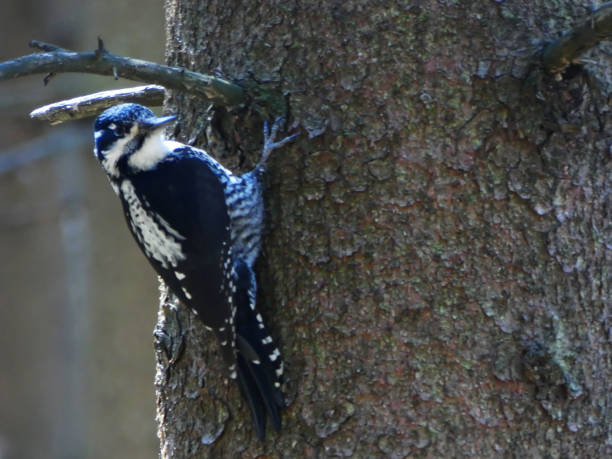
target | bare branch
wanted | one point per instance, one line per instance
(92, 104)
(57, 60)
(574, 43)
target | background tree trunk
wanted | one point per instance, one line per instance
(437, 263)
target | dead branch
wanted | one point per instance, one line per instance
(93, 104)
(54, 60)
(574, 43)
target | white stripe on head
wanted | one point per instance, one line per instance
(111, 157)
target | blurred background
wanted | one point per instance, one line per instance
(77, 300)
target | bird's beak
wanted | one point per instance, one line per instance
(152, 124)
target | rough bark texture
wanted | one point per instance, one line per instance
(437, 264)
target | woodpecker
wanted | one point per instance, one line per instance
(200, 227)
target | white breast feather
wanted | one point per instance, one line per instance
(161, 243)
(153, 150)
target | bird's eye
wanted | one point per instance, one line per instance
(117, 129)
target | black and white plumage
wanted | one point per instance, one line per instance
(200, 226)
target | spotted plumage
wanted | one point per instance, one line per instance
(200, 227)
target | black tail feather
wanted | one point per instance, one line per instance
(263, 372)
(259, 394)
(259, 363)
(250, 393)
(263, 375)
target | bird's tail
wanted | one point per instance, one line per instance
(259, 363)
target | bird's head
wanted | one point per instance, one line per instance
(129, 133)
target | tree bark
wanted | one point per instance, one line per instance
(437, 262)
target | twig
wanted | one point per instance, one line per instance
(92, 104)
(567, 49)
(58, 60)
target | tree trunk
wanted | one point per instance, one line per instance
(437, 263)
